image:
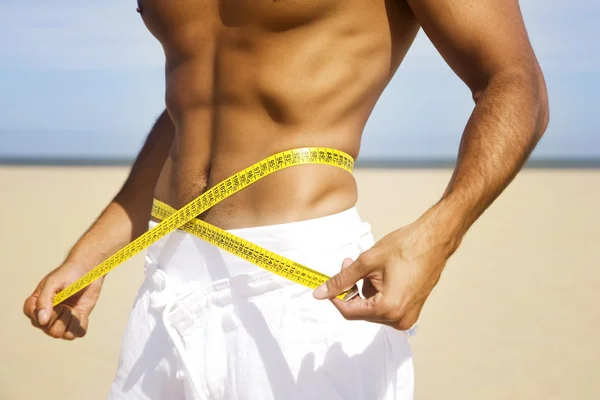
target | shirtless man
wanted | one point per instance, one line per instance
(244, 80)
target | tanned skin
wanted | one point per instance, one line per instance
(248, 78)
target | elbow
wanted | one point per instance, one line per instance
(538, 95)
(527, 84)
(542, 106)
(532, 86)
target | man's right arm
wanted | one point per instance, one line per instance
(125, 218)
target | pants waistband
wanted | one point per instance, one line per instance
(316, 243)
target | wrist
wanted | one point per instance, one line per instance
(77, 263)
(81, 259)
(447, 222)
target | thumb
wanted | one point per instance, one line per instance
(44, 304)
(344, 280)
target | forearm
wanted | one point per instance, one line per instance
(510, 117)
(126, 216)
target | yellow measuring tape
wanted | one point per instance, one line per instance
(185, 218)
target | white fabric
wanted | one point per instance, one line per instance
(209, 325)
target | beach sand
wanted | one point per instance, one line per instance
(516, 314)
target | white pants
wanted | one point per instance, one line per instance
(209, 325)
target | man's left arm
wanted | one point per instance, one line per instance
(486, 44)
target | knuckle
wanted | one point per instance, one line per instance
(367, 258)
(336, 281)
(27, 307)
(405, 324)
(41, 301)
(55, 334)
(49, 283)
(391, 313)
(370, 258)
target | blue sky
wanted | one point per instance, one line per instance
(85, 79)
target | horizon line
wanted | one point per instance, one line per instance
(366, 163)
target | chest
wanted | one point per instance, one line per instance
(166, 16)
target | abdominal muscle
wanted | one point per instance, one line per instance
(247, 91)
(293, 194)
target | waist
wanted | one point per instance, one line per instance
(319, 243)
(302, 192)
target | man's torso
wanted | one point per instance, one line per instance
(248, 78)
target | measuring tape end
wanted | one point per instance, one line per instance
(350, 294)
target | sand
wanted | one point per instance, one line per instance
(515, 316)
